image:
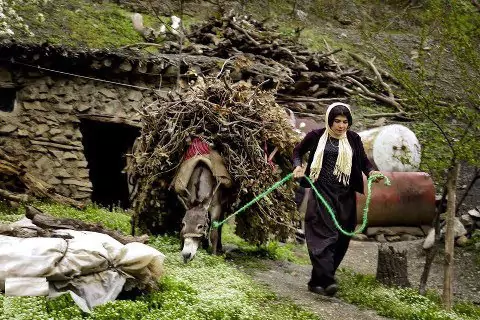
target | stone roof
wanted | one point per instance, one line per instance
(117, 61)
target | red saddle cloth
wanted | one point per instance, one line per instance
(197, 147)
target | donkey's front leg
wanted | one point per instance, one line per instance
(215, 234)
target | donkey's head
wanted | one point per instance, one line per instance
(195, 225)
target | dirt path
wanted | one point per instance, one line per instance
(289, 279)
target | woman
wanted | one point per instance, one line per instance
(335, 164)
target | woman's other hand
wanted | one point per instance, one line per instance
(298, 172)
(373, 172)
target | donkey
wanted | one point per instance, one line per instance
(203, 204)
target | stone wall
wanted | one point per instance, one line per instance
(43, 130)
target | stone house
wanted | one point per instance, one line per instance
(69, 117)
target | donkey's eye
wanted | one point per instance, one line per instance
(199, 226)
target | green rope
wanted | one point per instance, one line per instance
(217, 224)
(277, 184)
(365, 209)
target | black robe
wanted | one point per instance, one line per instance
(326, 244)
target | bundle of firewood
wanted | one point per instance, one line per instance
(249, 130)
(305, 81)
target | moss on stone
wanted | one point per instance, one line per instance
(79, 23)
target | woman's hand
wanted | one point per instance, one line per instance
(298, 172)
(377, 179)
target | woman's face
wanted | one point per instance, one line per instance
(340, 124)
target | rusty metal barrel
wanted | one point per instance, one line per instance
(408, 201)
(392, 148)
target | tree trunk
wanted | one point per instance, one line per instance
(392, 266)
(449, 237)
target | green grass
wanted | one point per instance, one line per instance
(207, 288)
(78, 23)
(398, 303)
(271, 250)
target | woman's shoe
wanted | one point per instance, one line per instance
(331, 289)
(316, 289)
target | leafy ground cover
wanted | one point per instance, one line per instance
(207, 288)
(214, 287)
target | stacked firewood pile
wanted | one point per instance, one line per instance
(240, 121)
(305, 81)
(239, 109)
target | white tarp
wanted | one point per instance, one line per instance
(92, 267)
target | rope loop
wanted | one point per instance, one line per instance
(277, 184)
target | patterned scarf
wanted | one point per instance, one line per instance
(343, 166)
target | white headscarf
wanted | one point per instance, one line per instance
(343, 166)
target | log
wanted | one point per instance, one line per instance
(43, 220)
(19, 232)
(392, 266)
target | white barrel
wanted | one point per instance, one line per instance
(393, 148)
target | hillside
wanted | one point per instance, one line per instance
(392, 34)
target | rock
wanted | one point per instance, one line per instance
(82, 173)
(301, 15)
(70, 156)
(86, 184)
(39, 149)
(35, 105)
(28, 94)
(430, 240)
(85, 189)
(112, 107)
(407, 237)
(380, 238)
(462, 241)
(63, 107)
(81, 195)
(459, 228)
(393, 238)
(372, 231)
(55, 131)
(345, 21)
(134, 95)
(8, 128)
(41, 129)
(23, 133)
(53, 181)
(43, 163)
(474, 213)
(61, 139)
(62, 173)
(466, 220)
(83, 107)
(108, 93)
(360, 237)
(70, 98)
(395, 230)
(82, 164)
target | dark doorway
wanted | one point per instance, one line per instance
(105, 146)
